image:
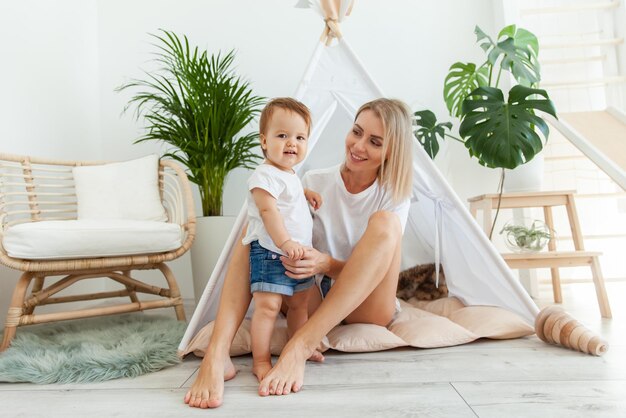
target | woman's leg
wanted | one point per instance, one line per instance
(367, 279)
(379, 307)
(208, 388)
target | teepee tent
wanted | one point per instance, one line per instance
(439, 228)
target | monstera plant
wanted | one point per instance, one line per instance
(501, 132)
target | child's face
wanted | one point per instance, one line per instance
(285, 141)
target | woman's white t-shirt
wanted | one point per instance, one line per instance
(342, 219)
(287, 189)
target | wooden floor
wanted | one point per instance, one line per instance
(516, 378)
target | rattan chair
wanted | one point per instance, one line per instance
(34, 190)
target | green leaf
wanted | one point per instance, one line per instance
(197, 105)
(503, 134)
(517, 50)
(428, 130)
(507, 31)
(461, 80)
(483, 39)
(525, 40)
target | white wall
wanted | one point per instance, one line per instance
(406, 46)
(49, 101)
(72, 54)
(50, 73)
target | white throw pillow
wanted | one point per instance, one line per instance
(126, 190)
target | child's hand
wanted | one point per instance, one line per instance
(314, 198)
(294, 250)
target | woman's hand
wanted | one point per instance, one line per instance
(311, 263)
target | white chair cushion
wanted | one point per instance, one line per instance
(89, 238)
(125, 190)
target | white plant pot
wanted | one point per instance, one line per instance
(525, 178)
(211, 235)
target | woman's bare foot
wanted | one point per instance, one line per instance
(317, 357)
(288, 374)
(260, 369)
(208, 389)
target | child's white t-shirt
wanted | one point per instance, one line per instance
(287, 189)
(342, 219)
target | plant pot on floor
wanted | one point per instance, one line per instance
(211, 235)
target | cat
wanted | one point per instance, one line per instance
(419, 282)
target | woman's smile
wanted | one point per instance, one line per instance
(364, 143)
(356, 158)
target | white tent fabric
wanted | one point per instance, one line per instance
(440, 228)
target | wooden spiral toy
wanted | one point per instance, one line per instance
(555, 326)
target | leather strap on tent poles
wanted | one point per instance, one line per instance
(331, 18)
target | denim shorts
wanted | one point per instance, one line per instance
(267, 273)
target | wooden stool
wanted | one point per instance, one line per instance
(551, 259)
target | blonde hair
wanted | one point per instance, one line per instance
(396, 171)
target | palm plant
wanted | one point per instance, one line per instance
(196, 104)
(499, 133)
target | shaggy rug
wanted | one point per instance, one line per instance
(92, 350)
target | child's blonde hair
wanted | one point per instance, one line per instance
(286, 103)
(396, 171)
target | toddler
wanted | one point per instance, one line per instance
(279, 224)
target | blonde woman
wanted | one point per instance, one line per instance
(357, 235)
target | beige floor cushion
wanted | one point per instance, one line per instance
(440, 323)
(89, 238)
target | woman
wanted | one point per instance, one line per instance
(357, 234)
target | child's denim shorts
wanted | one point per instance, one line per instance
(267, 273)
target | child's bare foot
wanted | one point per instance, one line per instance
(317, 357)
(288, 374)
(207, 390)
(260, 369)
